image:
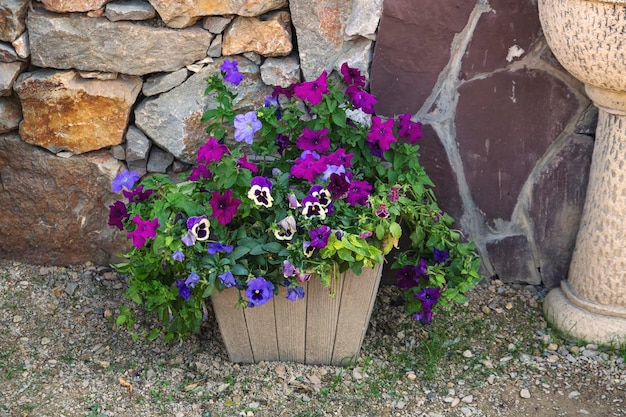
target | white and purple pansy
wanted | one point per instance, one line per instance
(287, 228)
(311, 207)
(261, 191)
(322, 195)
(198, 230)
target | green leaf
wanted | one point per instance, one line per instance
(121, 319)
(395, 230)
(339, 118)
(239, 269)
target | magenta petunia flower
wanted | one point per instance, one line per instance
(117, 214)
(224, 206)
(361, 99)
(408, 129)
(246, 125)
(358, 192)
(199, 171)
(339, 157)
(319, 236)
(352, 76)
(381, 132)
(231, 70)
(146, 229)
(245, 164)
(313, 91)
(307, 167)
(211, 151)
(314, 140)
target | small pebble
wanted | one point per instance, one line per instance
(524, 393)
(17, 319)
(455, 402)
(573, 394)
(45, 341)
(552, 347)
(411, 376)
(485, 309)
(491, 379)
(468, 399)
(468, 354)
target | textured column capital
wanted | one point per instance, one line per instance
(613, 102)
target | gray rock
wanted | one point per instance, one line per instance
(159, 160)
(280, 71)
(118, 152)
(216, 24)
(364, 18)
(215, 50)
(129, 10)
(137, 145)
(172, 120)
(97, 44)
(161, 83)
(22, 46)
(13, 18)
(9, 72)
(10, 114)
(8, 53)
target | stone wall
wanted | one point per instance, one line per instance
(88, 87)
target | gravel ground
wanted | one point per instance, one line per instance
(61, 355)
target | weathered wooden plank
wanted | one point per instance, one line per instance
(357, 302)
(321, 322)
(261, 322)
(290, 326)
(232, 324)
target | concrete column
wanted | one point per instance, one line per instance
(588, 37)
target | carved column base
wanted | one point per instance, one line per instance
(579, 323)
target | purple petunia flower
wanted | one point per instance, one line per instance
(178, 256)
(358, 192)
(408, 129)
(381, 132)
(407, 277)
(338, 185)
(124, 180)
(375, 149)
(218, 247)
(352, 76)
(211, 151)
(231, 70)
(117, 214)
(146, 229)
(296, 293)
(192, 279)
(199, 171)
(246, 125)
(224, 206)
(261, 191)
(259, 291)
(425, 315)
(283, 142)
(313, 91)
(361, 99)
(332, 169)
(137, 195)
(227, 279)
(307, 167)
(314, 140)
(428, 296)
(440, 256)
(183, 290)
(319, 236)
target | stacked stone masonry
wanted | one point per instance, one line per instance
(91, 87)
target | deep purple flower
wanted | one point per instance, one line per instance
(227, 279)
(283, 142)
(307, 167)
(261, 191)
(361, 99)
(311, 207)
(428, 296)
(272, 101)
(137, 195)
(338, 185)
(183, 290)
(408, 129)
(231, 70)
(332, 169)
(218, 247)
(358, 192)
(280, 90)
(259, 291)
(381, 132)
(246, 125)
(146, 229)
(211, 151)
(124, 180)
(319, 236)
(245, 164)
(117, 214)
(407, 277)
(314, 140)
(313, 91)
(340, 157)
(287, 228)
(375, 149)
(224, 206)
(425, 315)
(440, 256)
(352, 76)
(296, 293)
(199, 171)
(178, 256)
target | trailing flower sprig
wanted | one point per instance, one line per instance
(310, 185)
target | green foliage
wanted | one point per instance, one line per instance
(173, 271)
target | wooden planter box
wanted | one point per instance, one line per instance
(318, 329)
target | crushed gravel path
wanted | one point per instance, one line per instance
(61, 355)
